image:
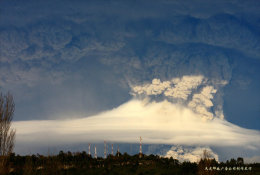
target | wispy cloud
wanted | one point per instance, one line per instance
(253, 159)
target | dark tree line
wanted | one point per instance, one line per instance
(80, 163)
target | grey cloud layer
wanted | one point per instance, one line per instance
(52, 46)
(157, 122)
(150, 44)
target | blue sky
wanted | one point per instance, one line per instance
(67, 60)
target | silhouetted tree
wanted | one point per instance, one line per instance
(240, 161)
(206, 161)
(7, 134)
(232, 162)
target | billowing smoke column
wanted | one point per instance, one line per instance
(194, 92)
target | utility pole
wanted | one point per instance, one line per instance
(140, 151)
(105, 150)
(95, 152)
(117, 151)
(112, 152)
(89, 150)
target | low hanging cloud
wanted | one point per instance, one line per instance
(157, 122)
(190, 154)
(253, 159)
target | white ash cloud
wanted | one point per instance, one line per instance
(190, 154)
(157, 87)
(202, 101)
(193, 91)
(183, 86)
(177, 88)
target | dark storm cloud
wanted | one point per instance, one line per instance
(88, 49)
(44, 42)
